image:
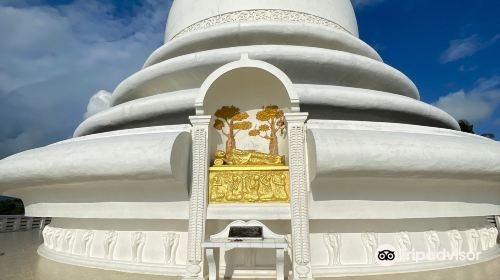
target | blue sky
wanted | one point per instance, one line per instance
(56, 54)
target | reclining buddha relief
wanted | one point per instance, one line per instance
(255, 171)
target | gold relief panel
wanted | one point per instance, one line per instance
(249, 184)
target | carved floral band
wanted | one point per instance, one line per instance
(262, 15)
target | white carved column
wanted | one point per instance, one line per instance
(198, 201)
(299, 195)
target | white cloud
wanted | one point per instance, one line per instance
(98, 103)
(466, 47)
(364, 3)
(475, 105)
(56, 57)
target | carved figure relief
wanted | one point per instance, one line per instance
(249, 185)
(333, 243)
(56, 237)
(63, 241)
(370, 243)
(138, 240)
(493, 237)
(47, 237)
(404, 244)
(473, 240)
(88, 238)
(456, 241)
(69, 238)
(109, 244)
(433, 241)
(484, 236)
(170, 243)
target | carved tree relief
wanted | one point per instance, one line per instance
(232, 118)
(274, 118)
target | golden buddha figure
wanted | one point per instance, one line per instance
(247, 157)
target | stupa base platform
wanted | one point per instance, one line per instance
(338, 247)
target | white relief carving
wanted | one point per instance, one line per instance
(493, 237)
(484, 236)
(433, 241)
(138, 241)
(404, 244)
(109, 244)
(47, 237)
(262, 15)
(88, 238)
(299, 194)
(69, 239)
(370, 243)
(473, 239)
(198, 200)
(333, 242)
(56, 237)
(456, 241)
(170, 243)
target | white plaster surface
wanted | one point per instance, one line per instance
(302, 64)
(126, 174)
(183, 15)
(319, 100)
(261, 33)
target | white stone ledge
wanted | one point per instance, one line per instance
(141, 110)
(261, 33)
(248, 212)
(119, 156)
(345, 148)
(111, 210)
(315, 98)
(302, 64)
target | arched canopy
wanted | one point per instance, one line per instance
(249, 84)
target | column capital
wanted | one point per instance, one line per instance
(200, 120)
(299, 117)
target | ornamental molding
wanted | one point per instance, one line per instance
(116, 248)
(198, 200)
(274, 15)
(299, 195)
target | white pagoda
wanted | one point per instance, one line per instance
(270, 114)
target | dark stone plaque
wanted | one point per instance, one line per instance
(245, 233)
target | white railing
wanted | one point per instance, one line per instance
(20, 223)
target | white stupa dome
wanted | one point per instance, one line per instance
(187, 13)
